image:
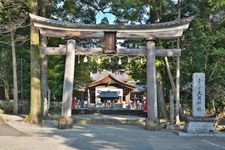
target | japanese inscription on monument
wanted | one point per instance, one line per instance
(198, 95)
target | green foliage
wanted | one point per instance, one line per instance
(75, 11)
(216, 4)
(204, 51)
(137, 69)
(13, 14)
(203, 44)
(1, 9)
(82, 75)
(56, 67)
(104, 21)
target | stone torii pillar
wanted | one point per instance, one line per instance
(65, 120)
(152, 120)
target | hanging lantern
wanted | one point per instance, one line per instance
(109, 42)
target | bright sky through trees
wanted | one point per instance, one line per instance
(100, 16)
(109, 16)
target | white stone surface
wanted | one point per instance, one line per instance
(198, 95)
(199, 127)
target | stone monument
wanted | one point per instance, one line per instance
(199, 123)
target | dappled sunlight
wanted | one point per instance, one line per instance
(108, 145)
(96, 137)
(78, 127)
(117, 117)
(88, 135)
(115, 127)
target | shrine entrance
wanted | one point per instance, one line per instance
(148, 32)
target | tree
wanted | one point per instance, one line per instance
(4, 78)
(35, 115)
(11, 22)
(149, 11)
(204, 49)
(44, 5)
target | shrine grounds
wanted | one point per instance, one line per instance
(25, 136)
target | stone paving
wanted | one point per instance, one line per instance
(100, 137)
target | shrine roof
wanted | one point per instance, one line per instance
(57, 28)
(119, 75)
(110, 80)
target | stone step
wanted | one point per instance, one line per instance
(139, 113)
(108, 120)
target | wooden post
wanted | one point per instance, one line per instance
(49, 99)
(152, 120)
(170, 75)
(15, 86)
(89, 97)
(178, 72)
(66, 121)
(135, 102)
(44, 65)
(171, 107)
(44, 82)
(178, 92)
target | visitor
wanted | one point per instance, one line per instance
(74, 100)
(78, 104)
(145, 104)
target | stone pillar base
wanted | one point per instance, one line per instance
(152, 125)
(195, 125)
(170, 126)
(65, 122)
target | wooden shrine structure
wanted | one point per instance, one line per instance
(149, 32)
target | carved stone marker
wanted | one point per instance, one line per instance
(198, 123)
(198, 95)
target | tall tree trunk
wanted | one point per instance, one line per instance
(179, 9)
(155, 11)
(44, 63)
(15, 92)
(6, 86)
(35, 101)
(6, 89)
(177, 96)
(160, 96)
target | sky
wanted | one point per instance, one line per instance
(109, 16)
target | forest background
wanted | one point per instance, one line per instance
(203, 44)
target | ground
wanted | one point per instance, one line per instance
(96, 137)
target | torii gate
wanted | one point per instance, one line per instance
(149, 32)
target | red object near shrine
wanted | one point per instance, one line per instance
(145, 105)
(74, 101)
